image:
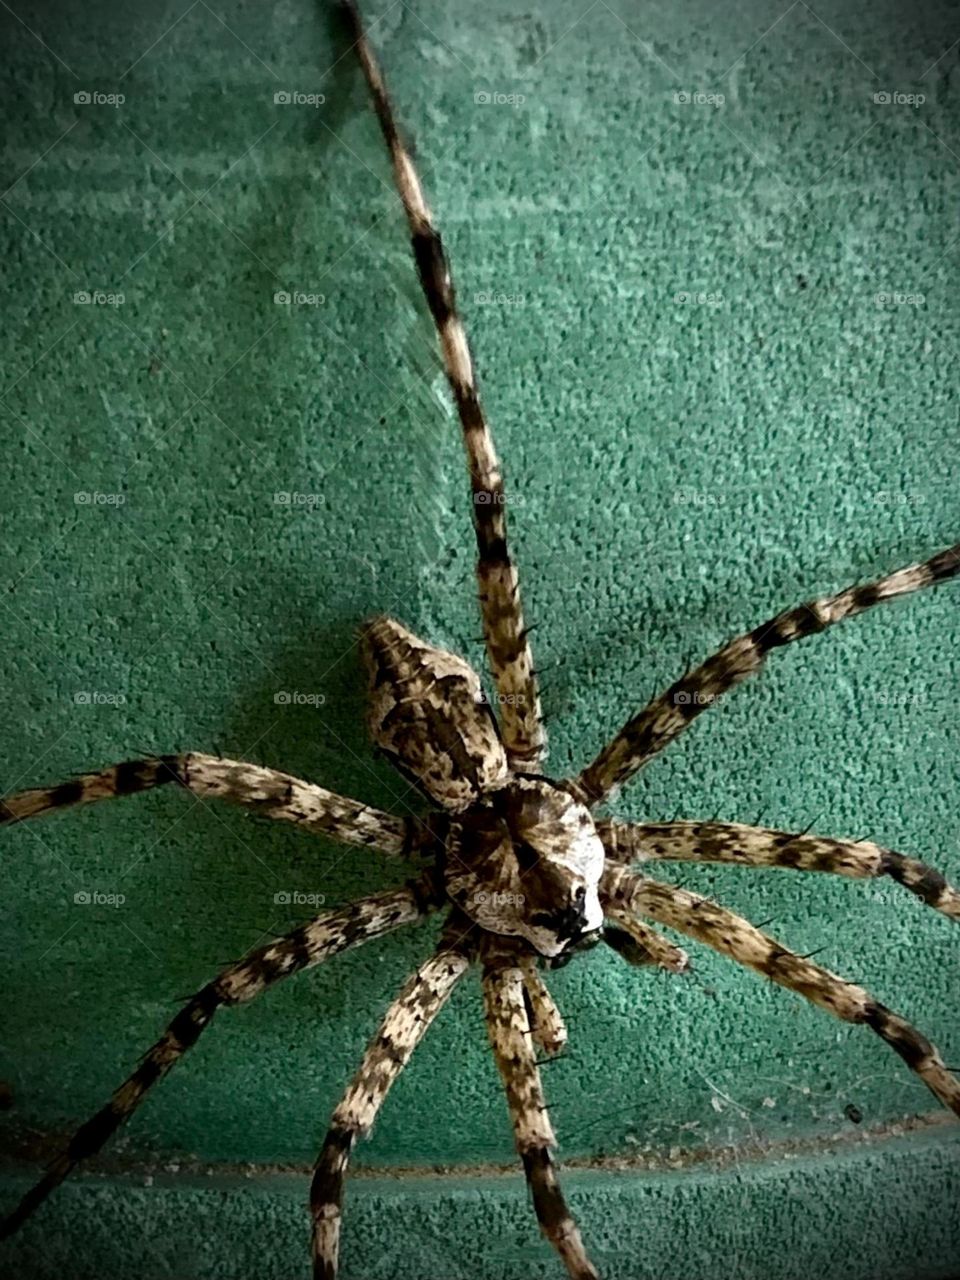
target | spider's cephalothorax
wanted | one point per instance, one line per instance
(521, 856)
(527, 870)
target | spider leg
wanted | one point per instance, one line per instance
(504, 630)
(670, 712)
(736, 938)
(270, 793)
(546, 1021)
(733, 842)
(304, 946)
(404, 1025)
(510, 1035)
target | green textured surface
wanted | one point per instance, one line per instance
(479, 1228)
(680, 470)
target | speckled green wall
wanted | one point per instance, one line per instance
(708, 261)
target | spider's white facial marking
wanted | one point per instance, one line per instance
(528, 863)
(560, 859)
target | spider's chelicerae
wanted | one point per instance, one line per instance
(525, 873)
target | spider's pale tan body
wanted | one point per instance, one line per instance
(516, 859)
(521, 856)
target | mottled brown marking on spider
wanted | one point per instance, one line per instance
(526, 876)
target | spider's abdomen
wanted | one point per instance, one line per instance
(429, 715)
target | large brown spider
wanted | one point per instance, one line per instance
(527, 874)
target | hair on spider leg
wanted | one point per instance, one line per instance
(798, 835)
(810, 954)
(559, 1057)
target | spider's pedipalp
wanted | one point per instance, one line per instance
(268, 792)
(505, 632)
(670, 712)
(640, 944)
(421, 999)
(512, 1042)
(304, 946)
(740, 845)
(739, 940)
(429, 716)
(546, 1021)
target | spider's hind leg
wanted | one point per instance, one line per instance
(668, 714)
(268, 792)
(505, 632)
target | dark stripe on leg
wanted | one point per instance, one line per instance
(326, 1201)
(738, 939)
(308, 945)
(669, 713)
(554, 1217)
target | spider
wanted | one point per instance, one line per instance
(526, 873)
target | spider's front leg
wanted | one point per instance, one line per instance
(739, 845)
(670, 712)
(305, 946)
(512, 1042)
(267, 792)
(739, 940)
(403, 1027)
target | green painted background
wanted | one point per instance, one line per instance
(720, 362)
